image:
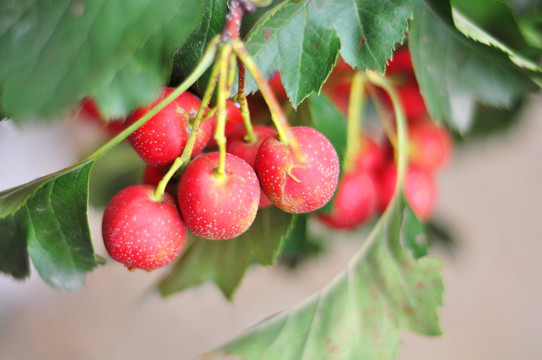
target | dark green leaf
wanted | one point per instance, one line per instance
(361, 313)
(415, 238)
(296, 245)
(301, 39)
(297, 39)
(13, 253)
(225, 262)
(369, 30)
(54, 52)
(492, 22)
(455, 72)
(52, 221)
(327, 119)
(186, 59)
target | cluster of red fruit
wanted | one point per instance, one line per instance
(146, 230)
(368, 186)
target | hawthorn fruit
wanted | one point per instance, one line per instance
(141, 232)
(298, 184)
(218, 207)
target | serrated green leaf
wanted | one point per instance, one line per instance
(369, 30)
(478, 20)
(362, 312)
(225, 262)
(52, 222)
(54, 52)
(186, 58)
(455, 72)
(297, 39)
(301, 39)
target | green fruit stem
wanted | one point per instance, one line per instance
(356, 104)
(203, 65)
(242, 98)
(223, 92)
(401, 147)
(277, 115)
(189, 147)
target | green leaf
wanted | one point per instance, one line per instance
(13, 252)
(369, 30)
(455, 72)
(301, 39)
(327, 119)
(361, 313)
(48, 218)
(296, 245)
(492, 22)
(225, 262)
(186, 58)
(54, 52)
(297, 39)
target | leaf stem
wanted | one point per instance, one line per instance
(242, 98)
(189, 147)
(204, 64)
(356, 104)
(223, 92)
(401, 148)
(277, 115)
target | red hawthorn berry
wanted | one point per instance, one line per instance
(293, 184)
(139, 231)
(218, 208)
(163, 138)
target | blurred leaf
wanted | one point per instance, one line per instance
(189, 55)
(49, 215)
(296, 245)
(455, 72)
(415, 238)
(225, 261)
(301, 39)
(327, 119)
(492, 22)
(55, 52)
(13, 252)
(362, 312)
(119, 168)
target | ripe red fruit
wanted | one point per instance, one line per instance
(278, 89)
(218, 208)
(141, 232)
(401, 63)
(152, 175)
(89, 110)
(238, 146)
(234, 120)
(419, 189)
(411, 100)
(429, 144)
(371, 157)
(354, 203)
(293, 185)
(163, 138)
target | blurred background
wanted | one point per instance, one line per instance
(489, 200)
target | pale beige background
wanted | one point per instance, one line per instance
(490, 193)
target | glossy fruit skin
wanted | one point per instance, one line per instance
(218, 209)
(354, 203)
(140, 232)
(419, 189)
(293, 185)
(430, 145)
(238, 146)
(234, 121)
(163, 138)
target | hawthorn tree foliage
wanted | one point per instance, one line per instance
(474, 62)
